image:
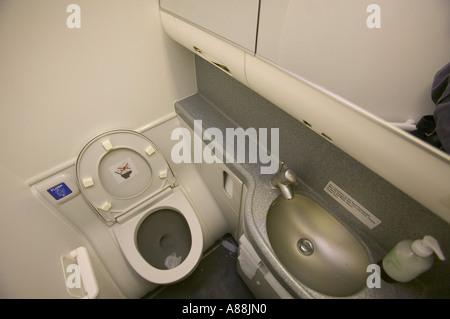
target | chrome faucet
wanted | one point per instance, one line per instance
(285, 180)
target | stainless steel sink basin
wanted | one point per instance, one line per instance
(315, 248)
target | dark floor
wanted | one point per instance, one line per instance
(215, 277)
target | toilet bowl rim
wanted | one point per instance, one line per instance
(178, 202)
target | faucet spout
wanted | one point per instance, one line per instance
(286, 190)
(285, 180)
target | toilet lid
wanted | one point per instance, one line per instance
(119, 170)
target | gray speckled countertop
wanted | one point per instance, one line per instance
(224, 103)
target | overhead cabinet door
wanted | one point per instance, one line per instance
(233, 20)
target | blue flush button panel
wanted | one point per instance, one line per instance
(59, 191)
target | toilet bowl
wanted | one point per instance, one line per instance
(130, 185)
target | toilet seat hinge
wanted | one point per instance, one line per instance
(108, 218)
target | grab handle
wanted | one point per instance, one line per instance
(79, 274)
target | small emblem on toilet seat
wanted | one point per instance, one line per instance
(123, 170)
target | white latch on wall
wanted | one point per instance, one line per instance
(408, 125)
(79, 274)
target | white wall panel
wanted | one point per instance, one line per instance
(60, 86)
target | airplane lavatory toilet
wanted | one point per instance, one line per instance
(129, 183)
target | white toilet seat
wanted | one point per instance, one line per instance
(126, 179)
(126, 237)
(103, 166)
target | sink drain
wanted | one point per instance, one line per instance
(305, 246)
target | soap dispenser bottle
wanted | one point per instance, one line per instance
(408, 259)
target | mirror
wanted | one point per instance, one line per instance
(381, 56)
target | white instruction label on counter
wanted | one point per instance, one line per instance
(366, 217)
